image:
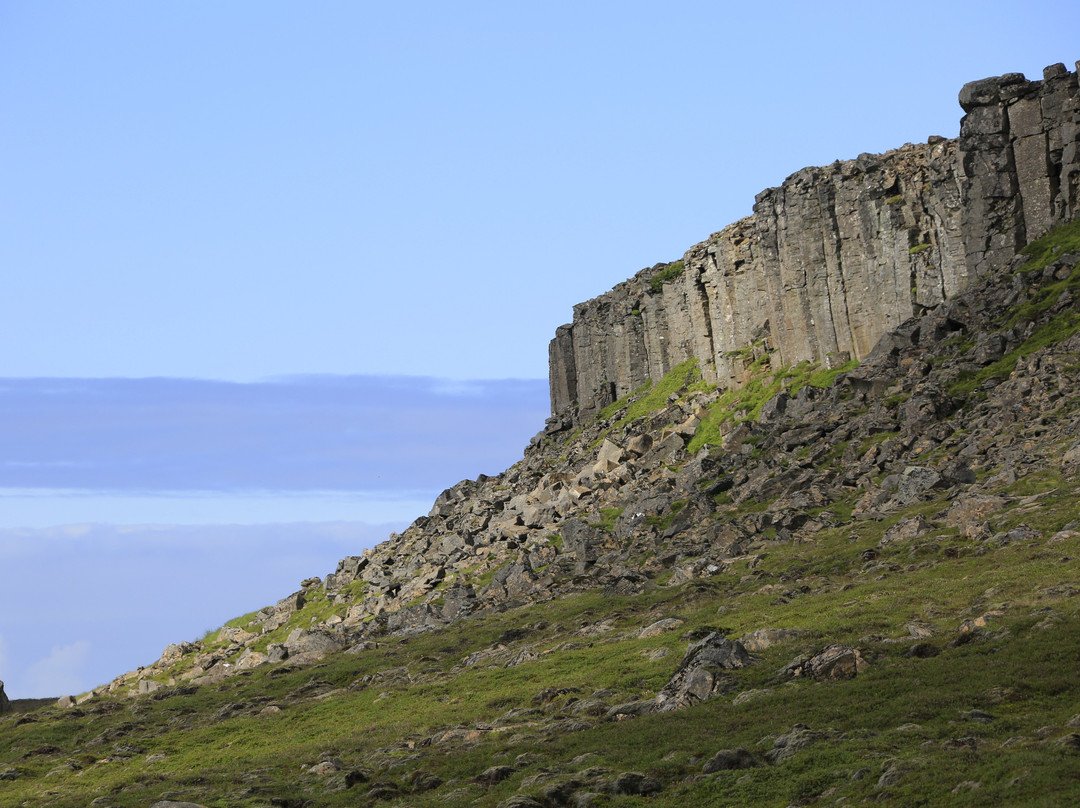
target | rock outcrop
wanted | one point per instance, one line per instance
(838, 255)
(5, 703)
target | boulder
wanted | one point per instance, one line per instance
(764, 638)
(610, 457)
(308, 646)
(701, 673)
(519, 801)
(635, 783)
(785, 746)
(832, 662)
(251, 659)
(905, 530)
(659, 627)
(494, 774)
(970, 511)
(727, 759)
(913, 483)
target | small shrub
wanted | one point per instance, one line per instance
(668, 273)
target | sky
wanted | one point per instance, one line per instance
(275, 274)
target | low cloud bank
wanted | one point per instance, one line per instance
(371, 433)
(84, 603)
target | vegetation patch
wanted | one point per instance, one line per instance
(666, 275)
(651, 397)
(745, 403)
(1058, 242)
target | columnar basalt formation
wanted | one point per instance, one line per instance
(838, 255)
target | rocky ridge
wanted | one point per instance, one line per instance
(957, 435)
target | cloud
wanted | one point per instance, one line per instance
(119, 594)
(60, 673)
(347, 433)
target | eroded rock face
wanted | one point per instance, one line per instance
(837, 255)
(5, 703)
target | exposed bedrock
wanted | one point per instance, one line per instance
(838, 255)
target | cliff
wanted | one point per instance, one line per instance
(838, 255)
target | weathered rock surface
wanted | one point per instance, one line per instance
(727, 759)
(701, 674)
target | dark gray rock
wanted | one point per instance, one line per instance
(913, 483)
(636, 784)
(701, 673)
(800, 737)
(311, 645)
(727, 759)
(831, 663)
(922, 650)
(494, 774)
(521, 801)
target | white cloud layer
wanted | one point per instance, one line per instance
(62, 671)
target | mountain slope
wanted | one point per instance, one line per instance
(828, 586)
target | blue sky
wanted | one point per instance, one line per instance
(255, 256)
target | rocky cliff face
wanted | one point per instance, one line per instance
(838, 255)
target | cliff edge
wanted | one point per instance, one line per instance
(837, 255)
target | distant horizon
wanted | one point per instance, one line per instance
(263, 483)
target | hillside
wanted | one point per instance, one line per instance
(820, 585)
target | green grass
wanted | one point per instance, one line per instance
(663, 521)
(1056, 330)
(1058, 242)
(1042, 252)
(745, 403)
(651, 397)
(666, 275)
(607, 518)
